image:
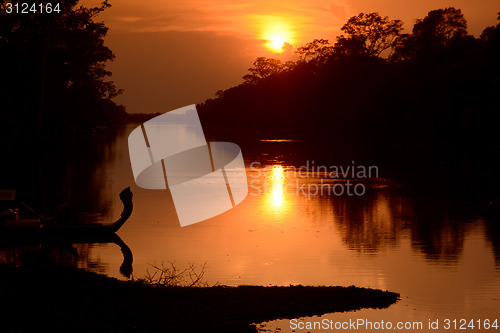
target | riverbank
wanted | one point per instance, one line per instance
(69, 299)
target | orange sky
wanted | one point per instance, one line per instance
(175, 53)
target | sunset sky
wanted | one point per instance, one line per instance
(174, 53)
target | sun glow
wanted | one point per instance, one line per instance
(276, 32)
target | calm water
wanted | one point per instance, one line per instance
(442, 257)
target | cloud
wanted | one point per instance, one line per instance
(287, 48)
(306, 21)
(129, 19)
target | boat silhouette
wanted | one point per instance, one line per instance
(37, 234)
(43, 228)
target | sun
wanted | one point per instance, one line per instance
(275, 43)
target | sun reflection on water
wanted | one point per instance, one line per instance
(277, 183)
(275, 199)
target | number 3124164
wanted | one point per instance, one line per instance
(32, 8)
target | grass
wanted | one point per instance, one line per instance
(68, 299)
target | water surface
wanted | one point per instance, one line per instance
(442, 256)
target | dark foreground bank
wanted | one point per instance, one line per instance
(67, 299)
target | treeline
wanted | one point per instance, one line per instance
(53, 82)
(430, 95)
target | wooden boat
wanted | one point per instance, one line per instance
(35, 228)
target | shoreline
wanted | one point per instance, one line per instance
(62, 298)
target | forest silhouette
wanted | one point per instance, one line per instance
(423, 103)
(54, 82)
(54, 92)
(426, 100)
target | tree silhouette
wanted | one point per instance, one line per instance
(491, 37)
(368, 34)
(438, 30)
(263, 68)
(56, 75)
(318, 49)
(440, 26)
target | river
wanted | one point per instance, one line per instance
(442, 256)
